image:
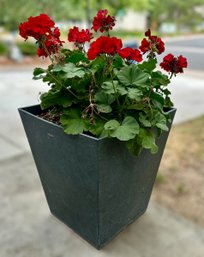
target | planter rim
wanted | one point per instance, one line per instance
(26, 110)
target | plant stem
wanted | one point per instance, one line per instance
(115, 93)
(122, 107)
(171, 75)
(114, 89)
(47, 52)
(60, 83)
(103, 118)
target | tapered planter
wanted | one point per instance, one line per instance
(95, 186)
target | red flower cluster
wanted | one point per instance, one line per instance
(107, 45)
(152, 44)
(102, 21)
(52, 44)
(43, 29)
(79, 37)
(130, 54)
(36, 27)
(174, 64)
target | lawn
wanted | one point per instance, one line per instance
(180, 180)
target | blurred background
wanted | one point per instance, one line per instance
(167, 19)
(175, 218)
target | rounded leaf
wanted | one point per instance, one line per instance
(127, 130)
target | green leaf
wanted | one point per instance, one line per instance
(157, 100)
(76, 57)
(98, 63)
(55, 97)
(103, 98)
(65, 100)
(132, 76)
(136, 106)
(97, 127)
(159, 79)
(127, 130)
(117, 62)
(148, 66)
(166, 92)
(72, 122)
(72, 71)
(162, 126)
(108, 86)
(168, 102)
(135, 94)
(103, 101)
(37, 71)
(79, 85)
(104, 108)
(158, 97)
(148, 140)
(111, 125)
(144, 121)
(134, 146)
(109, 89)
(121, 90)
(57, 68)
(65, 51)
(159, 120)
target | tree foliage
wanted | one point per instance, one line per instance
(14, 12)
(180, 12)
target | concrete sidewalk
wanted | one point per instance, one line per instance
(29, 230)
(27, 227)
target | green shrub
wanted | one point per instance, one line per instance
(3, 49)
(27, 48)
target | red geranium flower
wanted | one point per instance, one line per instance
(56, 32)
(52, 45)
(152, 44)
(79, 37)
(43, 29)
(145, 45)
(102, 21)
(107, 45)
(157, 43)
(130, 54)
(148, 33)
(174, 64)
(36, 27)
(182, 61)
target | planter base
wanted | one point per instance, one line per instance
(95, 186)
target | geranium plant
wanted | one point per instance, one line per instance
(108, 91)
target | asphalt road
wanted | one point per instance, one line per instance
(190, 47)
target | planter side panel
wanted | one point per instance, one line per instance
(68, 171)
(125, 186)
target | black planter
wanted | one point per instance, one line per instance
(95, 186)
